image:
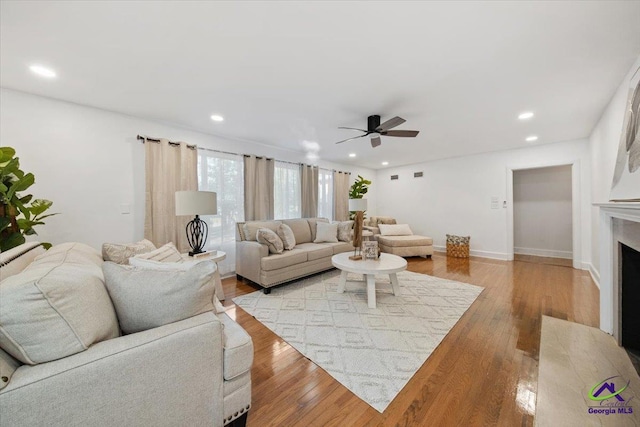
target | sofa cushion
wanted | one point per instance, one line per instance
(8, 366)
(250, 228)
(399, 241)
(286, 235)
(120, 253)
(57, 306)
(316, 250)
(301, 229)
(340, 247)
(271, 239)
(145, 299)
(395, 230)
(313, 226)
(285, 259)
(165, 253)
(326, 233)
(238, 349)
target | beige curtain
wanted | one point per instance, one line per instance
(169, 167)
(309, 193)
(341, 195)
(258, 188)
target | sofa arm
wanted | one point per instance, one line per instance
(374, 230)
(248, 256)
(171, 375)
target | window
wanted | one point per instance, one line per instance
(286, 192)
(224, 174)
(325, 193)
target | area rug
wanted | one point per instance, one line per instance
(372, 352)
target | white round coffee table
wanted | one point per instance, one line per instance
(386, 264)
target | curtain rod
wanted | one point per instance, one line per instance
(146, 138)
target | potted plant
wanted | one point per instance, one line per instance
(357, 191)
(18, 213)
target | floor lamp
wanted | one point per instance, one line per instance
(196, 203)
(359, 206)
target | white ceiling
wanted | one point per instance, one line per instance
(286, 72)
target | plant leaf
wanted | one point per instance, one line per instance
(4, 222)
(6, 154)
(21, 184)
(46, 245)
(11, 241)
(40, 205)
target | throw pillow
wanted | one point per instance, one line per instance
(313, 226)
(146, 299)
(345, 229)
(165, 253)
(326, 233)
(395, 230)
(286, 235)
(250, 228)
(120, 253)
(57, 306)
(178, 266)
(270, 238)
(387, 221)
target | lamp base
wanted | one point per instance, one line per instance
(355, 257)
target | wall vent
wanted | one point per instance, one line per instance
(394, 177)
(417, 174)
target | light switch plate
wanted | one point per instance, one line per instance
(125, 208)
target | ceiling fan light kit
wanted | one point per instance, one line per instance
(375, 130)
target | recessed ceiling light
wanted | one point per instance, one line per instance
(385, 163)
(217, 118)
(352, 154)
(42, 71)
(531, 138)
(526, 115)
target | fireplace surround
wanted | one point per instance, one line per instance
(619, 230)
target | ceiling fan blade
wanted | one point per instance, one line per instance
(402, 133)
(376, 141)
(349, 139)
(391, 123)
(342, 127)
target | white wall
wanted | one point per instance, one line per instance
(89, 163)
(542, 212)
(604, 141)
(454, 196)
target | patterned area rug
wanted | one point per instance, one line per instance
(372, 352)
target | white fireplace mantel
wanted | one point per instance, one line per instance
(608, 259)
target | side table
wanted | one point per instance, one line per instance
(213, 257)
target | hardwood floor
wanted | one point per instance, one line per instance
(483, 373)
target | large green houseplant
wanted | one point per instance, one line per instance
(18, 213)
(357, 191)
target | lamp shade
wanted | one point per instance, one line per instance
(357, 205)
(196, 203)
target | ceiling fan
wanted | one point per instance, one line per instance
(375, 130)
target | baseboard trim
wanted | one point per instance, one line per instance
(481, 254)
(544, 252)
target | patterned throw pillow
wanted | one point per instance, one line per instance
(344, 230)
(271, 239)
(166, 253)
(120, 253)
(286, 235)
(387, 221)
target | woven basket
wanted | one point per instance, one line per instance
(458, 246)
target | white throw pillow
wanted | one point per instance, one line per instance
(146, 299)
(270, 238)
(165, 253)
(326, 233)
(286, 235)
(57, 306)
(178, 266)
(395, 230)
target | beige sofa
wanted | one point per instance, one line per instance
(195, 371)
(404, 246)
(254, 262)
